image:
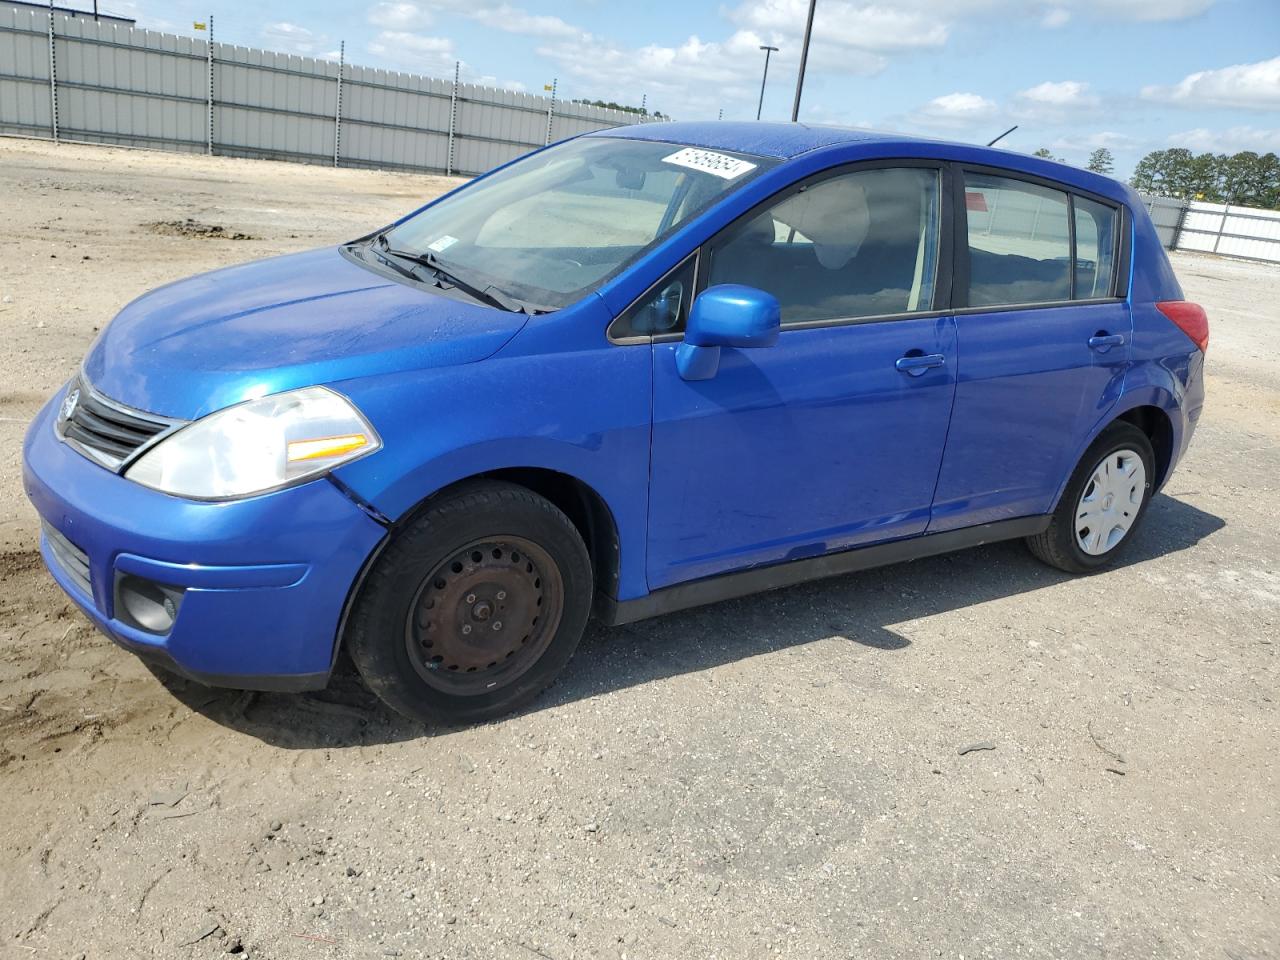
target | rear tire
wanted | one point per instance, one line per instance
(1103, 503)
(474, 607)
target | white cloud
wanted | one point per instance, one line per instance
(505, 17)
(875, 27)
(495, 14)
(1063, 93)
(434, 56)
(1231, 140)
(400, 16)
(955, 111)
(1254, 86)
(1103, 139)
(1149, 9)
(292, 38)
(695, 78)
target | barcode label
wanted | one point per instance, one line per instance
(708, 161)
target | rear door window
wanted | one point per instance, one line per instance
(1019, 242)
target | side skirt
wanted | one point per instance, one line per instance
(743, 583)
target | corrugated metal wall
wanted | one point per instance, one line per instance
(1166, 214)
(1233, 231)
(1247, 232)
(142, 88)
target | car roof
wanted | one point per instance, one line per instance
(785, 141)
(762, 138)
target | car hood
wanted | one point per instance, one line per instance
(198, 345)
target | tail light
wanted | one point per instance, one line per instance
(1190, 318)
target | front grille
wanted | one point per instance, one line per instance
(73, 561)
(104, 430)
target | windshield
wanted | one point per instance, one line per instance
(553, 226)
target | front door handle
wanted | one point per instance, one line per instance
(1103, 341)
(916, 363)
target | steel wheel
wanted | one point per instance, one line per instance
(1110, 502)
(484, 616)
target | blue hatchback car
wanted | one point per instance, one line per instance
(631, 373)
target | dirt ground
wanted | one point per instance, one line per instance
(776, 776)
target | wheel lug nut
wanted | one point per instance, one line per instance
(466, 628)
(502, 594)
(497, 624)
(471, 598)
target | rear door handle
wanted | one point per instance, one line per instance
(919, 363)
(1103, 342)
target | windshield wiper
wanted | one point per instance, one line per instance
(488, 294)
(395, 265)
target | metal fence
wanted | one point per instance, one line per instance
(1246, 232)
(70, 78)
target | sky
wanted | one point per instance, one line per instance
(1129, 75)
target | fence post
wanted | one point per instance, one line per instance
(1183, 209)
(337, 116)
(551, 108)
(453, 118)
(209, 125)
(53, 79)
(1222, 226)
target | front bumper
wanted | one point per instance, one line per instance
(265, 580)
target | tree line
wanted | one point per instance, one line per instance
(1245, 178)
(625, 108)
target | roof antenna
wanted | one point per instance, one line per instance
(1003, 135)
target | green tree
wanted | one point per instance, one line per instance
(1245, 178)
(1101, 161)
(1043, 153)
(1147, 174)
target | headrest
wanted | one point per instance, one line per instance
(833, 214)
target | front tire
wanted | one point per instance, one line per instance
(1103, 503)
(474, 607)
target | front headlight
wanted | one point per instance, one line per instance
(258, 446)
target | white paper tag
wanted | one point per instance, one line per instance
(442, 244)
(708, 161)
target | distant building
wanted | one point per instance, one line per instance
(90, 14)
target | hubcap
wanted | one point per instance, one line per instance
(1110, 502)
(485, 615)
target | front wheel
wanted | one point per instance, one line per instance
(474, 607)
(1104, 501)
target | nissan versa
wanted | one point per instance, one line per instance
(631, 373)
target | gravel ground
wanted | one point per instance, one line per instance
(776, 776)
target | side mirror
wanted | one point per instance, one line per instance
(726, 315)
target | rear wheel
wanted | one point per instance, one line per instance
(475, 606)
(1105, 500)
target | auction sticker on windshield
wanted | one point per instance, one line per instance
(708, 161)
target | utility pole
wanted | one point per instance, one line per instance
(804, 60)
(767, 51)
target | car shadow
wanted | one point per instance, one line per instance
(859, 607)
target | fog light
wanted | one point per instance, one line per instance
(147, 605)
